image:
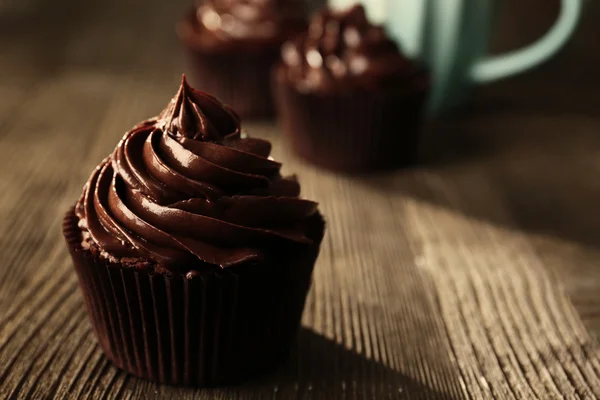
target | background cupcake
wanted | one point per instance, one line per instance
(348, 99)
(193, 253)
(233, 44)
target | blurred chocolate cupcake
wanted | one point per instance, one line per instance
(194, 255)
(348, 99)
(233, 44)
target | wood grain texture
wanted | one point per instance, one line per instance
(474, 276)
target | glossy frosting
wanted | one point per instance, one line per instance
(343, 50)
(219, 24)
(187, 188)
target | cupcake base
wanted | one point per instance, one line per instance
(240, 80)
(351, 131)
(215, 328)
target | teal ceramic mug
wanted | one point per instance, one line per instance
(451, 37)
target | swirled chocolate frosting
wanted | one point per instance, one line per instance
(188, 188)
(342, 50)
(221, 24)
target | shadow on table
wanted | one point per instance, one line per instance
(318, 369)
(533, 173)
(331, 371)
(539, 170)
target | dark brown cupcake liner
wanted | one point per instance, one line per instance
(351, 131)
(217, 328)
(240, 80)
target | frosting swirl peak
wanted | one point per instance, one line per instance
(198, 117)
(187, 189)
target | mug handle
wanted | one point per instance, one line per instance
(497, 67)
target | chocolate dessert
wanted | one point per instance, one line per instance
(194, 254)
(348, 99)
(233, 44)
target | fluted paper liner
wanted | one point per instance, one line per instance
(203, 331)
(239, 80)
(351, 131)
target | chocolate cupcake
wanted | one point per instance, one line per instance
(233, 44)
(194, 254)
(348, 99)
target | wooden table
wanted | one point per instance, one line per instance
(473, 276)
